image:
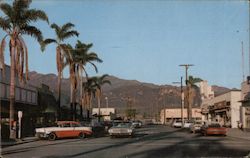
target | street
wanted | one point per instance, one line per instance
(149, 142)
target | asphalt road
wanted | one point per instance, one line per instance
(149, 142)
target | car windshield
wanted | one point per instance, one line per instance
(123, 125)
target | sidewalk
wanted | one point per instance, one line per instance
(5, 143)
(237, 133)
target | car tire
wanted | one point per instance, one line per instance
(52, 136)
(82, 135)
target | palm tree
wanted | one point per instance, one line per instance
(62, 33)
(90, 89)
(84, 57)
(16, 23)
(191, 90)
(78, 59)
(100, 81)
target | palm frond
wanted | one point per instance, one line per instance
(7, 9)
(32, 31)
(69, 34)
(67, 26)
(5, 24)
(34, 15)
(45, 42)
(56, 28)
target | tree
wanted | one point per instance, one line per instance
(89, 91)
(83, 57)
(100, 81)
(191, 90)
(77, 60)
(62, 33)
(16, 23)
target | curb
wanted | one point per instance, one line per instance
(17, 142)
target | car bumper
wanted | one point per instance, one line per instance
(120, 134)
(42, 135)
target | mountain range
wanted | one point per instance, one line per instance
(148, 99)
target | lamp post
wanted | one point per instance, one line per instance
(189, 107)
(182, 101)
(107, 102)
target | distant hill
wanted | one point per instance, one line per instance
(146, 98)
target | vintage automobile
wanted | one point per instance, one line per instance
(196, 126)
(64, 129)
(122, 129)
(177, 124)
(187, 123)
(137, 124)
(213, 129)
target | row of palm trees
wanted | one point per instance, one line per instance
(16, 22)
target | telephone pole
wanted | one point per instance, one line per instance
(182, 101)
(189, 106)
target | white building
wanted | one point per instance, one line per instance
(169, 114)
(245, 99)
(224, 109)
(206, 91)
(106, 113)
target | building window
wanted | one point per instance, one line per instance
(228, 103)
(17, 97)
(23, 95)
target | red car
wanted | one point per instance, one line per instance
(64, 129)
(213, 129)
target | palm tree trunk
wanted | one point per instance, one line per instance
(71, 101)
(12, 92)
(59, 97)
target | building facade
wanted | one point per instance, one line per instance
(224, 109)
(25, 101)
(106, 114)
(168, 115)
(245, 108)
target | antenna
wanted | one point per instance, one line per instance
(243, 63)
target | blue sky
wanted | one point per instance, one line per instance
(146, 40)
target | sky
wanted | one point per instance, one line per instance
(147, 40)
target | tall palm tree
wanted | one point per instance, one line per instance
(84, 57)
(16, 23)
(79, 58)
(191, 90)
(62, 33)
(89, 91)
(100, 81)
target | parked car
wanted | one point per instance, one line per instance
(213, 129)
(177, 124)
(196, 126)
(64, 129)
(137, 124)
(187, 123)
(122, 129)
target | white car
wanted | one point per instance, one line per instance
(196, 126)
(64, 129)
(187, 124)
(122, 129)
(177, 124)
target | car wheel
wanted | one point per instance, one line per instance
(52, 136)
(82, 135)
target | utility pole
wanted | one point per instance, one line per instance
(182, 101)
(189, 106)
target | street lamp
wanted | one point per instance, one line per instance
(189, 107)
(182, 101)
(107, 102)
